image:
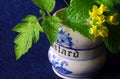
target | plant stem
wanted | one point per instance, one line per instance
(40, 18)
(48, 13)
(66, 3)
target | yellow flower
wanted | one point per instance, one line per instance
(100, 19)
(103, 32)
(99, 31)
(93, 31)
(94, 11)
(112, 19)
(91, 22)
(97, 15)
(102, 8)
(97, 21)
(97, 11)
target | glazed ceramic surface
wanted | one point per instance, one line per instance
(73, 56)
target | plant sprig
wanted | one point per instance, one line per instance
(30, 27)
(75, 16)
(28, 30)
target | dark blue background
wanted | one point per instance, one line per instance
(34, 64)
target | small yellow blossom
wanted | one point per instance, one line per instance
(93, 30)
(112, 19)
(100, 19)
(103, 32)
(94, 11)
(92, 23)
(97, 14)
(99, 31)
(97, 11)
(97, 21)
(102, 8)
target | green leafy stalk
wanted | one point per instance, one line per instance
(76, 15)
(47, 5)
(50, 27)
(28, 31)
(30, 28)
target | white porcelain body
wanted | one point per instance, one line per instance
(73, 56)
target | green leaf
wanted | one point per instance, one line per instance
(108, 3)
(47, 5)
(37, 29)
(50, 27)
(29, 18)
(23, 42)
(112, 42)
(76, 15)
(28, 30)
(117, 1)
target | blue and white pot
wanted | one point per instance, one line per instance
(73, 56)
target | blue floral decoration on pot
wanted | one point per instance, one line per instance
(64, 39)
(59, 65)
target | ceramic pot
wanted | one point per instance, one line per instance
(74, 56)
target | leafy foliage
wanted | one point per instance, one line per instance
(112, 42)
(109, 3)
(28, 30)
(50, 27)
(47, 5)
(76, 15)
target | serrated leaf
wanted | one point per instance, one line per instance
(29, 18)
(37, 29)
(28, 30)
(76, 15)
(47, 5)
(50, 27)
(23, 43)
